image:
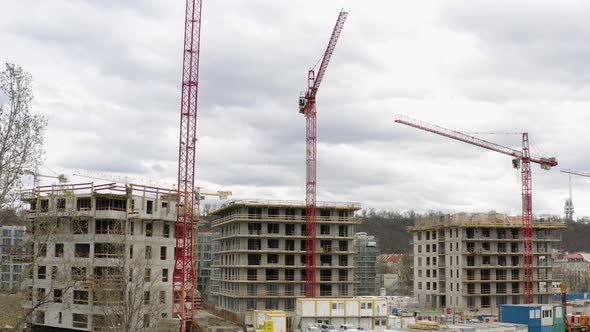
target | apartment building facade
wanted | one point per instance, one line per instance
(475, 262)
(15, 257)
(365, 269)
(204, 263)
(103, 260)
(261, 263)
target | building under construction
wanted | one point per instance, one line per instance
(475, 262)
(104, 256)
(261, 262)
(365, 269)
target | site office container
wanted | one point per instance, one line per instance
(558, 328)
(528, 314)
(558, 318)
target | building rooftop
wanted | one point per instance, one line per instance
(483, 220)
(353, 206)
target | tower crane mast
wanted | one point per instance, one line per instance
(183, 276)
(569, 203)
(308, 108)
(523, 156)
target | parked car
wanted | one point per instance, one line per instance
(348, 328)
(328, 328)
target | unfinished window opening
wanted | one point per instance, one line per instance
(326, 260)
(326, 245)
(304, 230)
(44, 205)
(164, 275)
(485, 232)
(342, 246)
(343, 260)
(254, 213)
(57, 295)
(108, 226)
(515, 260)
(149, 207)
(325, 213)
(273, 212)
(80, 297)
(272, 244)
(149, 229)
(79, 226)
(272, 274)
(59, 250)
(342, 275)
(111, 202)
(252, 274)
(41, 272)
(82, 249)
(343, 231)
(166, 230)
(254, 229)
(325, 275)
(290, 213)
(289, 275)
(289, 245)
(253, 259)
(272, 259)
(80, 320)
(83, 204)
(325, 290)
(272, 229)
(60, 204)
(254, 244)
(324, 229)
(290, 260)
(78, 273)
(108, 250)
(342, 215)
(289, 229)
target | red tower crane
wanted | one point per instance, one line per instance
(183, 276)
(522, 157)
(307, 107)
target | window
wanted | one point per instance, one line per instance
(149, 229)
(420, 274)
(59, 250)
(108, 226)
(547, 314)
(131, 227)
(289, 229)
(272, 229)
(57, 295)
(80, 320)
(147, 276)
(427, 273)
(39, 317)
(80, 297)
(272, 259)
(428, 248)
(420, 285)
(290, 245)
(150, 207)
(83, 204)
(252, 274)
(148, 252)
(79, 226)
(82, 250)
(78, 272)
(146, 320)
(40, 294)
(273, 243)
(427, 235)
(324, 229)
(166, 230)
(163, 253)
(146, 297)
(108, 250)
(419, 248)
(41, 272)
(130, 252)
(164, 275)
(162, 297)
(42, 250)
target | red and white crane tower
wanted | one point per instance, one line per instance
(307, 107)
(520, 156)
(183, 276)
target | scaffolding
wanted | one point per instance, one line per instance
(365, 270)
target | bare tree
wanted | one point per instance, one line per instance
(128, 295)
(21, 131)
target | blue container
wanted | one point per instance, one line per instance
(527, 314)
(535, 329)
(547, 328)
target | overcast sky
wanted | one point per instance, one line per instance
(107, 76)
